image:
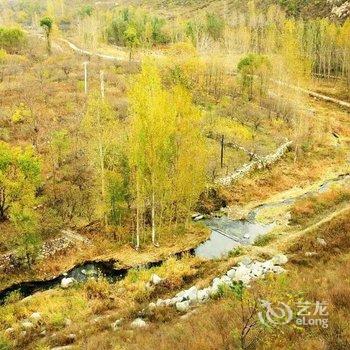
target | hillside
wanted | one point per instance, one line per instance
(174, 175)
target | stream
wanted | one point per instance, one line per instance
(226, 235)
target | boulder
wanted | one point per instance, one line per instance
(67, 282)
(231, 273)
(198, 218)
(279, 259)
(138, 323)
(27, 325)
(183, 306)
(225, 280)
(35, 317)
(152, 306)
(321, 241)
(203, 294)
(242, 274)
(213, 290)
(190, 293)
(155, 279)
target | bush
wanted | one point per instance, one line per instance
(12, 40)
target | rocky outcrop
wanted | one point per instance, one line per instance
(244, 273)
(261, 163)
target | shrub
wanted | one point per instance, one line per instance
(12, 39)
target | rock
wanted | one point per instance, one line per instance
(160, 303)
(66, 347)
(198, 218)
(246, 261)
(67, 322)
(256, 270)
(190, 293)
(216, 282)
(43, 333)
(155, 279)
(246, 236)
(278, 269)
(183, 306)
(279, 259)
(225, 280)
(138, 323)
(193, 295)
(27, 325)
(241, 273)
(152, 306)
(67, 282)
(213, 291)
(309, 254)
(9, 331)
(267, 265)
(115, 325)
(231, 273)
(35, 316)
(203, 294)
(321, 241)
(72, 337)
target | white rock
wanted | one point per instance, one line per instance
(152, 306)
(203, 294)
(225, 280)
(138, 323)
(67, 322)
(198, 218)
(278, 269)
(216, 282)
(27, 324)
(155, 279)
(9, 331)
(213, 291)
(280, 259)
(321, 241)
(267, 265)
(67, 282)
(35, 316)
(191, 292)
(160, 303)
(183, 306)
(231, 273)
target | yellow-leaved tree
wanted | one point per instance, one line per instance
(166, 152)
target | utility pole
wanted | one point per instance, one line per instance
(86, 76)
(222, 151)
(102, 80)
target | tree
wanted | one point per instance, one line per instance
(164, 138)
(100, 126)
(28, 238)
(251, 68)
(131, 39)
(150, 149)
(215, 26)
(12, 39)
(19, 178)
(47, 23)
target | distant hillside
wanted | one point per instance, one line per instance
(338, 9)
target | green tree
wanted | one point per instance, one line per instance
(28, 239)
(19, 178)
(12, 39)
(253, 68)
(131, 39)
(215, 26)
(47, 23)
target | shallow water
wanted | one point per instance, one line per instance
(228, 234)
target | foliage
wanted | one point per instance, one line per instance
(251, 68)
(12, 40)
(19, 178)
(131, 28)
